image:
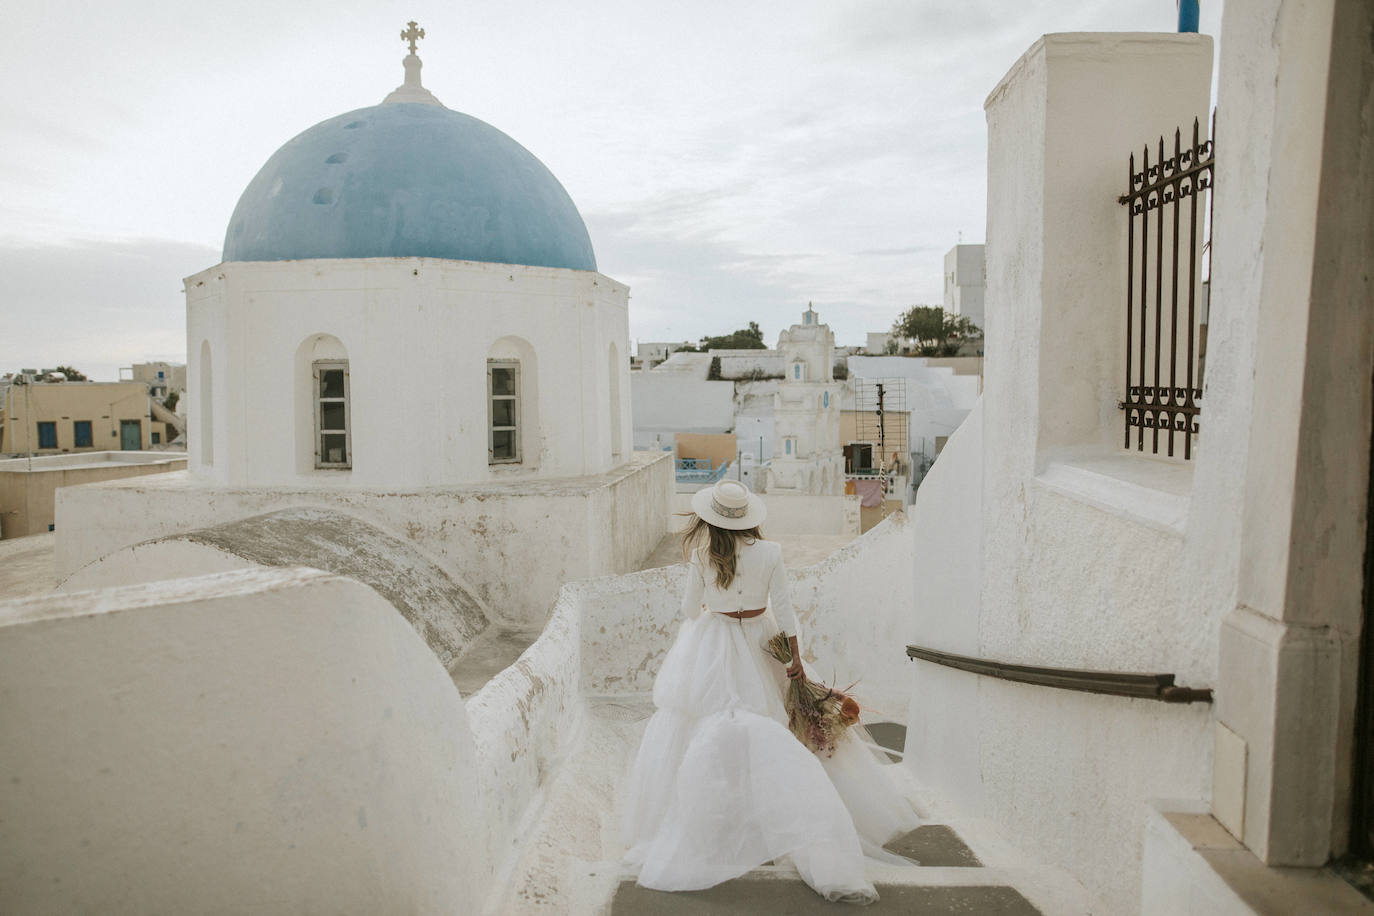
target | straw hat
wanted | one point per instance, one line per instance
(729, 504)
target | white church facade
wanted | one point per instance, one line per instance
(806, 413)
(407, 324)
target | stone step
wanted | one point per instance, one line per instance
(935, 846)
(756, 895)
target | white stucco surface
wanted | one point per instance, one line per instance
(1060, 568)
(260, 324)
(525, 723)
(142, 775)
(947, 551)
(513, 543)
(750, 364)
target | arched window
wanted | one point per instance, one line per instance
(503, 411)
(335, 449)
(324, 408)
(512, 403)
(799, 371)
(206, 406)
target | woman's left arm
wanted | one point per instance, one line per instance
(780, 600)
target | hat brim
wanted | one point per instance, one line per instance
(754, 514)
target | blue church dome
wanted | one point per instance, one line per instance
(407, 179)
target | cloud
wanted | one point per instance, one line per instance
(96, 304)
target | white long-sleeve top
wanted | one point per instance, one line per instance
(760, 580)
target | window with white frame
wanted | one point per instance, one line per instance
(799, 371)
(789, 446)
(503, 411)
(333, 431)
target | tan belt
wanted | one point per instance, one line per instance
(742, 615)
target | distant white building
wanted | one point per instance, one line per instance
(652, 352)
(806, 412)
(783, 405)
(877, 342)
(964, 282)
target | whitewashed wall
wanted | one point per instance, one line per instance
(947, 521)
(746, 364)
(417, 333)
(677, 402)
(514, 544)
(525, 723)
(1291, 298)
(1086, 557)
(278, 741)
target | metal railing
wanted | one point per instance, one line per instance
(699, 470)
(1139, 686)
(1164, 365)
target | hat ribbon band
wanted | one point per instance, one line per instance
(727, 511)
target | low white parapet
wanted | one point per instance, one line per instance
(275, 741)
(515, 542)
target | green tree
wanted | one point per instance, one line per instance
(72, 374)
(932, 332)
(170, 402)
(750, 338)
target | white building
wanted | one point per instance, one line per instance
(653, 352)
(345, 259)
(878, 342)
(783, 406)
(806, 412)
(1042, 542)
(964, 282)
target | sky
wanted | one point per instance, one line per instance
(732, 161)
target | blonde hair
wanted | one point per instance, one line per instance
(720, 546)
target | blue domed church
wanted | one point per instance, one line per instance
(408, 327)
(408, 297)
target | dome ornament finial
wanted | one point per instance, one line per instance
(411, 90)
(412, 34)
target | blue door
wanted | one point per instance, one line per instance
(130, 435)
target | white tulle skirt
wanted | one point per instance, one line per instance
(721, 786)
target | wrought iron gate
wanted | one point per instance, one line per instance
(1166, 298)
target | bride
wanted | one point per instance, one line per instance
(720, 785)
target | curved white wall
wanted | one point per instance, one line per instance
(275, 741)
(1040, 540)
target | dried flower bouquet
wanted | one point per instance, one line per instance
(817, 714)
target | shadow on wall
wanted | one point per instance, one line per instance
(444, 612)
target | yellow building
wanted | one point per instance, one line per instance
(49, 418)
